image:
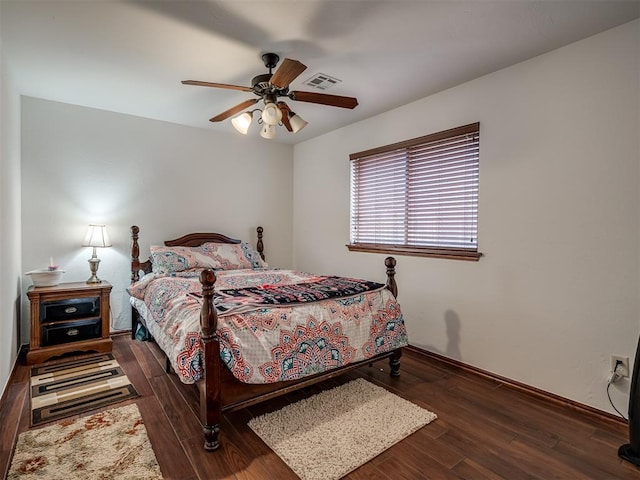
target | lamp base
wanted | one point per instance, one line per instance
(94, 263)
(626, 452)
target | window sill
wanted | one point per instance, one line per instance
(450, 253)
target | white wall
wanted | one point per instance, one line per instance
(10, 265)
(82, 165)
(557, 290)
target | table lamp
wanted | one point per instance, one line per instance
(97, 237)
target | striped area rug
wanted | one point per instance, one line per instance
(64, 389)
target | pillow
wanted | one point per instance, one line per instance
(219, 256)
(234, 256)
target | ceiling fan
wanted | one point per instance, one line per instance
(270, 87)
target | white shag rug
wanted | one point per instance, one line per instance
(330, 434)
(108, 445)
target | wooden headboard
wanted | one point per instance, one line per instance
(189, 240)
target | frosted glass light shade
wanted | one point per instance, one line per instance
(296, 122)
(242, 122)
(268, 131)
(271, 114)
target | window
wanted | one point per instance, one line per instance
(418, 197)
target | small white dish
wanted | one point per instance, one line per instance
(43, 277)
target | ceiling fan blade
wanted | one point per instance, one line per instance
(233, 110)
(287, 72)
(284, 108)
(324, 99)
(217, 85)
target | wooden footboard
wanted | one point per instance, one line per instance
(219, 390)
(214, 399)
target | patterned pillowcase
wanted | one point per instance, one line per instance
(219, 256)
(235, 256)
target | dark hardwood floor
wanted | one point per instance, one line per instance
(484, 430)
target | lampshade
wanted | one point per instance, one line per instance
(296, 122)
(268, 131)
(271, 114)
(97, 236)
(242, 122)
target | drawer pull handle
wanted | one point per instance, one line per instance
(70, 310)
(72, 332)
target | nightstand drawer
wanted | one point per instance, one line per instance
(69, 309)
(66, 332)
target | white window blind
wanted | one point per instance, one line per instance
(421, 194)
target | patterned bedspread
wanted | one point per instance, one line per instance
(273, 325)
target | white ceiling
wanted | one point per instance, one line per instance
(129, 56)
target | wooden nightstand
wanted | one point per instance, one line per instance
(70, 317)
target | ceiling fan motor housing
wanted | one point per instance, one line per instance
(261, 82)
(262, 87)
(270, 60)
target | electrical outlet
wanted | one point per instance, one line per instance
(615, 359)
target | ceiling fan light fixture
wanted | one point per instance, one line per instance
(271, 114)
(297, 122)
(268, 131)
(242, 122)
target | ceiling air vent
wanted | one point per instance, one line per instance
(321, 81)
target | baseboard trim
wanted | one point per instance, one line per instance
(119, 333)
(522, 387)
(22, 351)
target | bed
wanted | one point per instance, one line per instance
(245, 333)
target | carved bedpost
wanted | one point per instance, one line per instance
(210, 386)
(394, 361)
(135, 275)
(259, 245)
(135, 254)
(390, 263)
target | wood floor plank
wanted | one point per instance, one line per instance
(222, 464)
(599, 461)
(538, 463)
(147, 361)
(402, 470)
(610, 436)
(269, 460)
(173, 461)
(470, 470)
(156, 352)
(10, 409)
(369, 472)
(257, 457)
(182, 418)
(421, 444)
(188, 393)
(484, 453)
(130, 366)
(524, 420)
(25, 413)
(464, 415)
